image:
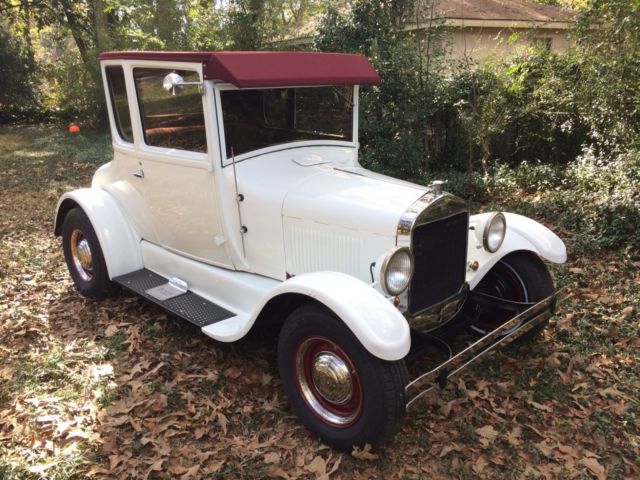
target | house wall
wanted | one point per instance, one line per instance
(481, 43)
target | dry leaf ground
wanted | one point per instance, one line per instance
(118, 389)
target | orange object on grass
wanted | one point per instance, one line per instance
(73, 128)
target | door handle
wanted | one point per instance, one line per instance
(139, 173)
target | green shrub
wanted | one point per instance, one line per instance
(396, 116)
(77, 92)
(599, 201)
(509, 112)
(594, 201)
(607, 90)
(17, 82)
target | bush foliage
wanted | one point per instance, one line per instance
(396, 116)
(593, 201)
(535, 107)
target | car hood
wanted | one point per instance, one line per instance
(315, 202)
(350, 197)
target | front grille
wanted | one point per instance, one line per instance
(440, 256)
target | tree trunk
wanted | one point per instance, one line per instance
(168, 23)
(26, 30)
(76, 32)
(486, 153)
(101, 27)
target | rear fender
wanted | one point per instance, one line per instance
(119, 242)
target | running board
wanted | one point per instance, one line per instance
(187, 305)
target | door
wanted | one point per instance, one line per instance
(178, 184)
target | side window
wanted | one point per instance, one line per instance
(119, 102)
(170, 121)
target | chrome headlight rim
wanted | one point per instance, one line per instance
(491, 222)
(385, 266)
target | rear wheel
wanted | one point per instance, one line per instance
(84, 256)
(520, 277)
(340, 391)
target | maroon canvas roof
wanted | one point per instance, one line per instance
(270, 69)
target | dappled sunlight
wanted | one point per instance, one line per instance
(32, 154)
(120, 389)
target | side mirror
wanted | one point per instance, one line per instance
(174, 83)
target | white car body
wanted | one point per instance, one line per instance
(316, 222)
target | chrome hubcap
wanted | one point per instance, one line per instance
(331, 378)
(81, 254)
(328, 382)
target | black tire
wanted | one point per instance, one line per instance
(520, 276)
(375, 408)
(91, 276)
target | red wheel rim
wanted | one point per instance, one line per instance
(327, 381)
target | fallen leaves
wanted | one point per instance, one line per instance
(319, 467)
(540, 406)
(110, 331)
(183, 472)
(364, 453)
(272, 457)
(514, 437)
(222, 421)
(486, 435)
(454, 447)
(626, 313)
(594, 466)
(479, 465)
(150, 396)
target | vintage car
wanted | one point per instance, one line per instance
(235, 199)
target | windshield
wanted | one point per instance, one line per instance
(255, 119)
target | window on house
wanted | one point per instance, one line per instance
(170, 121)
(543, 43)
(119, 102)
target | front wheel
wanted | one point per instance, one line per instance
(340, 391)
(520, 277)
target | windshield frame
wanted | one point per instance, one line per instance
(220, 87)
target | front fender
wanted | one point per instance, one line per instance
(522, 234)
(120, 244)
(375, 322)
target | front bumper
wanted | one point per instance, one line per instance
(525, 321)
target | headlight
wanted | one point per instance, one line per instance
(494, 232)
(396, 270)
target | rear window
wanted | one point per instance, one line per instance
(170, 121)
(119, 101)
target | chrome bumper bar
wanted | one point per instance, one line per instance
(530, 318)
